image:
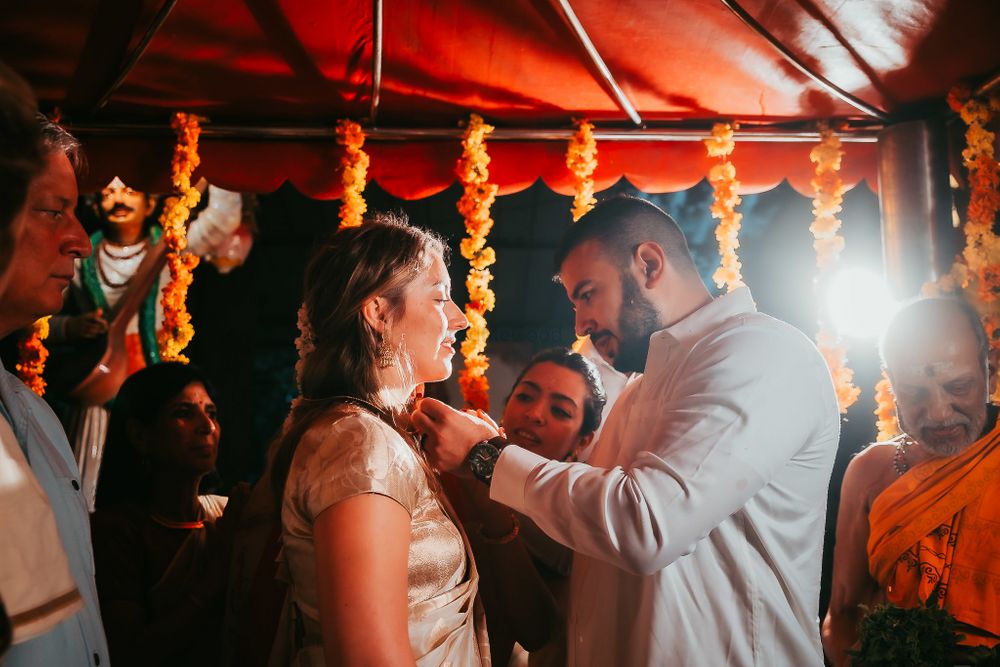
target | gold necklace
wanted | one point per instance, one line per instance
(899, 458)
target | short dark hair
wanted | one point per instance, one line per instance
(56, 139)
(593, 404)
(123, 477)
(619, 225)
(21, 156)
(923, 315)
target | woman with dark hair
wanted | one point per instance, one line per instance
(380, 573)
(161, 549)
(554, 410)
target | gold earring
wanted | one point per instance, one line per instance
(383, 353)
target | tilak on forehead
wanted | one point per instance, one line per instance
(116, 184)
(929, 370)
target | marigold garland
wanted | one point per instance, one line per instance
(581, 158)
(829, 189)
(724, 184)
(977, 270)
(354, 174)
(32, 356)
(885, 411)
(177, 330)
(474, 205)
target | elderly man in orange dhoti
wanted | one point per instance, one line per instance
(920, 514)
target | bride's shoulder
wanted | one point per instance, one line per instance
(350, 426)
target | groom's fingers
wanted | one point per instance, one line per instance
(433, 409)
(421, 421)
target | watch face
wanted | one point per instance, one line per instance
(482, 458)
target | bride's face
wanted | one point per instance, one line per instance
(429, 323)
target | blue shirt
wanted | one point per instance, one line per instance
(79, 640)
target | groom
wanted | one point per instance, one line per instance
(698, 523)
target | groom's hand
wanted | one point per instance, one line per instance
(450, 434)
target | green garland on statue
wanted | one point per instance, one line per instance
(147, 311)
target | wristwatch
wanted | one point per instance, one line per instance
(483, 457)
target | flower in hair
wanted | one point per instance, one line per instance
(305, 344)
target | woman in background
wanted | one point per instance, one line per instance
(553, 410)
(161, 549)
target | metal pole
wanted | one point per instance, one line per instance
(133, 57)
(324, 133)
(598, 62)
(918, 240)
(376, 58)
(825, 83)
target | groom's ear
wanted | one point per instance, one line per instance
(376, 313)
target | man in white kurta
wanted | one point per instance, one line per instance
(698, 521)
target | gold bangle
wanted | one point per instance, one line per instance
(503, 539)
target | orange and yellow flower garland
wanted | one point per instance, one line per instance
(723, 179)
(32, 356)
(829, 189)
(355, 173)
(885, 411)
(581, 158)
(977, 270)
(177, 330)
(474, 205)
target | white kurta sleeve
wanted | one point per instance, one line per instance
(700, 445)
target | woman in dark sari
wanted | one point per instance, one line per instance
(161, 548)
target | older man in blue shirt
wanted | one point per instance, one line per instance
(51, 239)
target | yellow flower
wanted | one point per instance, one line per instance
(354, 173)
(581, 159)
(977, 269)
(32, 355)
(177, 330)
(885, 411)
(477, 198)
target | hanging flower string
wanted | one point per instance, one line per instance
(32, 356)
(474, 205)
(829, 189)
(723, 179)
(885, 411)
(581, 158)
(354, 174)
(177, 330)
(977, 270)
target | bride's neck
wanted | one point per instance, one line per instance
(394, 392)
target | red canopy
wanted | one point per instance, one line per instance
(291, 63)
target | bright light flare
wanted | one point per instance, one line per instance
(859, 303)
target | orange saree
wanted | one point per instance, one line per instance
(936, 532)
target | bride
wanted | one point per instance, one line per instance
(380, 572)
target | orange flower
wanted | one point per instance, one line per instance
(32, 355)
(885, 411)
(354, 173)
(723, 179)
(177, 330)
(827, 155)
(977, 269)
(478, 196)
(581, 158)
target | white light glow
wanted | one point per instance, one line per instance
(859, 303)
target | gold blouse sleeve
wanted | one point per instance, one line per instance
(360, 454)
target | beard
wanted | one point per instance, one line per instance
(637, 321)
(971, 430)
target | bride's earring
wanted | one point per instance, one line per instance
(383, 353)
